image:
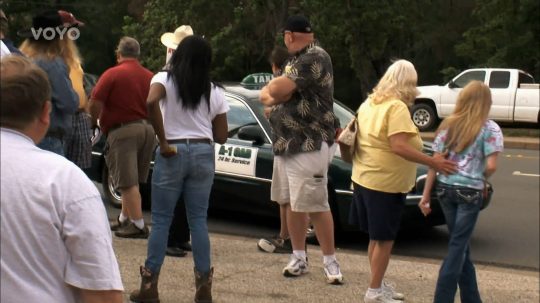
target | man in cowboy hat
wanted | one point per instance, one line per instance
(119, 100)
(171, 40)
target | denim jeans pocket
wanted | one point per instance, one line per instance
(469, 195)
(440, 192)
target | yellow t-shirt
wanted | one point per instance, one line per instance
(76, 76)
(375, 166)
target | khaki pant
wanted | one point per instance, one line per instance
(130, 150)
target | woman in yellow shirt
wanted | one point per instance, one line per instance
(384, 169)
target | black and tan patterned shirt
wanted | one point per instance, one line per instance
(307, 119)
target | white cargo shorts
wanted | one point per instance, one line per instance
(301, 179)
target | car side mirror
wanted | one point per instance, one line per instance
(252, 133)
(452, 84)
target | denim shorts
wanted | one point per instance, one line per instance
(377, 213)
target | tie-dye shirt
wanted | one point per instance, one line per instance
(472, 160)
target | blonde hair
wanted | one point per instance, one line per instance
(470, 114)
(64, 48)
(398, 82)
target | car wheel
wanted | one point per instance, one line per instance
(423, 116)
(113, 196)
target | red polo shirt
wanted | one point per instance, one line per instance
(123, 89)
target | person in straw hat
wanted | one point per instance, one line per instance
(171, 40)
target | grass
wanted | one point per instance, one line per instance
(532, 131)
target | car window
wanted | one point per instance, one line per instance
(343, 114)
(499, 79)
(239, 115)
(524, 78)
(470, 76)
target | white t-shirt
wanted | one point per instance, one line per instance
(54, 227)
(181, 123)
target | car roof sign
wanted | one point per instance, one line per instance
(256, 81)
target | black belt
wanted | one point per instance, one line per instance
(116, 126)
(55, 133)
(194, 140)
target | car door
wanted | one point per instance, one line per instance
(501, 95)
(244, 166)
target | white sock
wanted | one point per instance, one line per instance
(372, 292)
(300, 254)
(139, 223)
(329, 258)
(122, 218)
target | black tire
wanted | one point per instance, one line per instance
(424, 116)
(113, 196)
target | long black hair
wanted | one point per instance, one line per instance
(189, 68)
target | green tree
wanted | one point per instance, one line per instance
(160, 16)
(506, 34)
(241, 33)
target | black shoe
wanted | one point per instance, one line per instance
(185, 246)
(132, 231)
(116, 225)
(175, 252)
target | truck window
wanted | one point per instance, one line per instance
(499, 79)
(464, 79)
(524, 78)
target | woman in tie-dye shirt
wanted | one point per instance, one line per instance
(474, 142)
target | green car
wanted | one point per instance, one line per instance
(244, 169)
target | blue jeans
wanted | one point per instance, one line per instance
(52, 144)
(191, 173)
(461, 207)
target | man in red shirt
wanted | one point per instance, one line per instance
(119, 100)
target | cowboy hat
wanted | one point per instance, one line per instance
(51, 19)
(171, 40)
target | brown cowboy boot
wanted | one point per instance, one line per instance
(148, 293)
(203, 286)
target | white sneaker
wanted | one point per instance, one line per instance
(295, 267)
(390, 288)
(332, 273)
(380, 297)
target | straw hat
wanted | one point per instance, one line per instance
(171, 40)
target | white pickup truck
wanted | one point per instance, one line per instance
(515, 97)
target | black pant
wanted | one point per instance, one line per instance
(179, 230)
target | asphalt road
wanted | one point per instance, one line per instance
(507, 233)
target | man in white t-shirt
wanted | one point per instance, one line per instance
(55, 237)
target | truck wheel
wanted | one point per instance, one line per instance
(423, 116)
(111, 194)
